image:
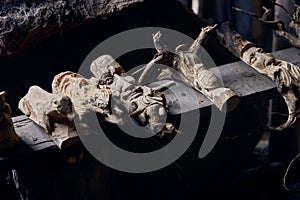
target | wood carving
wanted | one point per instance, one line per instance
(114, 94)
(285, 74)
(147, 106)
(53, 112)
(291, 31)
(8, 136)
(85, 95)
(193, 72)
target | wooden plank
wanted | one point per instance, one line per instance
(32, 134)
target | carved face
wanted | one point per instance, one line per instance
(104, 68)
(257, 58)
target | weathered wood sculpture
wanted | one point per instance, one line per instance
(193, 71)
(8, 136)
(53, 112)
(147, 106)
(112, 93)
(84, 94)
(291, 31)
(285, 74)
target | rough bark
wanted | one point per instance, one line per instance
(24, 21)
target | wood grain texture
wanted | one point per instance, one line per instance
(24, 21)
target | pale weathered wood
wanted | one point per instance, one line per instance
(53, 112)
(285, 74)
(237, 76)
(245, 81)
(194, 72)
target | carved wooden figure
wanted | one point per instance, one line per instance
(85, 94)
(8, 136)
(147, 106)
(115, 95)
(193, 71)
(285, 74)
(53, 112)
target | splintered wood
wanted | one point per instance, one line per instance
(8, 136)
(285, 74)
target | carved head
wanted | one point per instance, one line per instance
(257, 58)
(104, 68)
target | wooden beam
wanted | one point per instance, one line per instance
(32, 134)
